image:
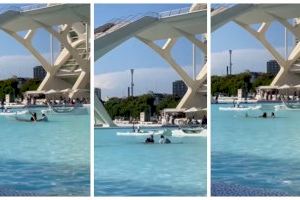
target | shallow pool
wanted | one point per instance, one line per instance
(45, 158)
(125, 166)
(257, 152)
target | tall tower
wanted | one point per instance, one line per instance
(230, 63)
(132, 70)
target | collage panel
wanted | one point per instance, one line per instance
(45, 99)
(255, 100)
(150, 100)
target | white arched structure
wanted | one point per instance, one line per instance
(169, 26)
(69, 24)
(248, 15)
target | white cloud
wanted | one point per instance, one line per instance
(242, 59)
(145, 79)
(19, 65)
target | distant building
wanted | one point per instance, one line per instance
(39, 72)
(273, 67)
(98, 93)
(179, 88)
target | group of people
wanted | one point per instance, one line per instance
(34, 118)
(162, 140)
(67, 101)
(264, 115)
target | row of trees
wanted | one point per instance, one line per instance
(132, 106)
(230, 84)
(11, 86)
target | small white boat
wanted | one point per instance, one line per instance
(240, 108)
(8, 113)
(189, 132)
(13, 105)
(66, 110)
(141, 133)
(285, 106)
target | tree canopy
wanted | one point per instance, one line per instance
(133, 106)
(11, 86)
(230, 84)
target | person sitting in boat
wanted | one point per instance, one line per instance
(194, 120)
(264, 115)
(167, 141)
(273, 115)
(138, 129)
(204, 120)
(161, 140)
(33, 116)
(149, 139)
(44, 118)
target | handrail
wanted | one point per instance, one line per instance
(121, 22)
(215, 7)
(117, 23)
(26, 8)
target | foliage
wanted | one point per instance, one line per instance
(264, 79)
(31, 84)
(229, 85)
(132, 106)
(10, 86)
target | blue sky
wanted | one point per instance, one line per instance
(112, 70)
(248, 53)
(14, 58)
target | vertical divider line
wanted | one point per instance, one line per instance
(92, 138)
(209, 125)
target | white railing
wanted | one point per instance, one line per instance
(25, 8)
(180, 11)
(118, 23)
(175, 12)
(221, 6)
(121, 22)
(32, 7)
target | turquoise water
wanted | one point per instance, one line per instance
(45, 158)
(257, 152)
(125, 166)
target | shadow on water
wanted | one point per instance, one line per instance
(19, 178)
(237, 175)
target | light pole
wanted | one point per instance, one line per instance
(132, 70)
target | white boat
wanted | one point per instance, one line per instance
(8, 106)
(240, 108)
(189, 132)
(286, 106)
(8, 113)
(141, 133)
(66, 110)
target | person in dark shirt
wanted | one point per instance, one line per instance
(149, 139)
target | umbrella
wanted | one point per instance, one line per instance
(285, 86)
(194, 109)
(52, 91)
(67, 90)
